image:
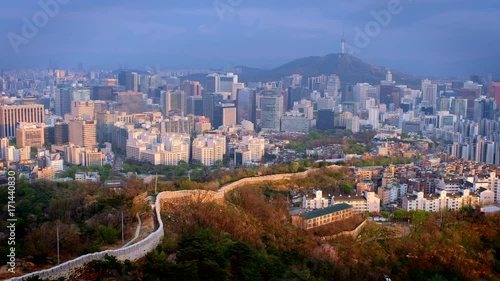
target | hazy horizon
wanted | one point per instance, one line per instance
(442, 37)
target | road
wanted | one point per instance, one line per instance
(118, 164)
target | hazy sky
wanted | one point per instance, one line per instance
(425, 36)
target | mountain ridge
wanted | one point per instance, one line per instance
(350, 69)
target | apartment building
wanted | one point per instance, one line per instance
(208, 149)
(435, 202)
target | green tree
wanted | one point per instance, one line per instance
(107, 234)
(400, 215)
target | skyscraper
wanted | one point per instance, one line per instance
(195, 105)
(63, 100)
(131, 102)
(494, 92)
(82, 133)
(213, 81)
(210, 100)
(102, 93)
(83, 109)
(227, 81)
(191, 88)
(347, 93)
(224, 115)
(246, 105)
(470, 95)
(129, 80)
(271, 106)
(429, 93)
(11, 115)
(326, 119)
(173, 103)
(484, 109)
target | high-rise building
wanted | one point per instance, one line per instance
(296, 94)
(131, 102)
(361, 92)
(326, 119)
(195, 105)
(63, 100)
(458, 107)
(57, 134)
(470, 95)
(333, 87)
(271, 106)
(191, 88)
(429, 93)
(177, 125)
(129, 80)
(348, 93)
(484, 109)
(210, 100)
(11, 115)
(294, 80)
(83, 109)
(494, 92)
(102, 93)
(245, 105)
(213, 83)
(373, 117)
(66, 94)
(173, 103)
(32, 135)
(83, 133)
(236, 88)
(45, 101)
(224, 115)
(80, 93)
(227, 81)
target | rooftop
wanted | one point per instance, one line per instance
(328, 210)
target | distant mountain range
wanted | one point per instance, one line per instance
(350, 69)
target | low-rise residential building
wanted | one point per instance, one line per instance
(323, 216)
(47, 173)
(84, 176)
(435, 202)
(368, 202)
(315, 201)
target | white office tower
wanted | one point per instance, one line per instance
(429, 93)
(227, 81)
(212, 83)
(332, 87)
(360, 93)
(373, 117)
(271, 106)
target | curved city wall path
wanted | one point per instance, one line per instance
(141, 248)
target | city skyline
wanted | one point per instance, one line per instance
(223, 33)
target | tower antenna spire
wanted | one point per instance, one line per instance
(342, 42)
